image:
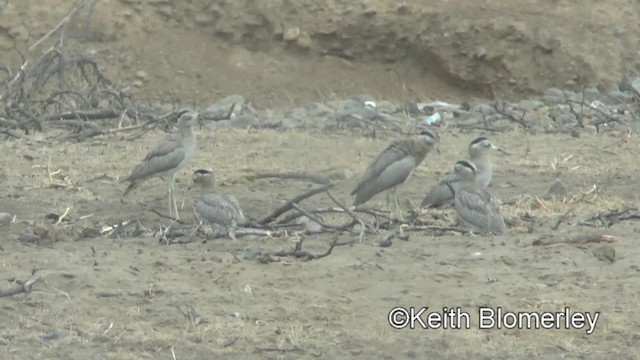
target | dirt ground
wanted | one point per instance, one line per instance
(126, 298)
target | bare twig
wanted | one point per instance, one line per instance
(501, 108)
(23, 287)
(293, 175)
(305, 255)
(578, 239)
(363, 225)
(289, 204)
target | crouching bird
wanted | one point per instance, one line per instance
(219, 209)
(476, 207)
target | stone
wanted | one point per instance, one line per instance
(555, 92)
(5, 218)
(387, 107)
(203, 19)
(484, 109)
(142, 75)
(318, 109)
(635, 85)
(617, 96)
(529, 105)
(557, 188)
(591, 94)
(19, 33)
(291, 34)
(222, 107)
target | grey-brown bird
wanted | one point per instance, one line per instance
(169, 156)
(479, 155)
(393, 167)
(219, 209)
(476, 207)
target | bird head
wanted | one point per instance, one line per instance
(203, 178)
(465, 170)
(186, 118)
(481, 146)
(429, 139)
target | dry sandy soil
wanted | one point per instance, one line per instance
(126, 297)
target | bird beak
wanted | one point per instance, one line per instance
(496, 148)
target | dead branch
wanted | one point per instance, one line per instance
(297, 252)
(363, 224)
(289, 204)
(435, 228)
(575, 240)
(22, 287)
(612, 217)
(319, 221)
(327, 210)
(293, 175)
(501, 108)
(573, 111)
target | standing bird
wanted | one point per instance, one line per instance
(217, 208)
(479, 153)
(168, 157)
(476, 207)
(393, 167)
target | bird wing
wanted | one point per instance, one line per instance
(386, 158)
(476, 208)
(441, 193)
(395, 174)
(167, 155)
(220, 208)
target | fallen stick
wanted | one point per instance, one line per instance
(575, 240)
(319, 221)
(436, 228)
(289, 204)
(26, 287)
(363, 224)
(293, 175)
(305, 255)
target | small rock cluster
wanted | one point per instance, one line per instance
(554, 110)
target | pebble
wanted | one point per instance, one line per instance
(635, 85)
(484, 109)
(557, 188)
(605, 253)
(617, 96)
(591, 94)
(555, 92)
(19, 33)
(142, 75)
(387, 107)
(5, 218)
(529, 105)
(203, 19)
(318, 109)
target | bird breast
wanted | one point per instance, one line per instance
(484, 173)
(219, 208)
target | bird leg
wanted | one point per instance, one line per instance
(170, 199)
(190, 238)
(397, 203)
(172, 196)
(389, 201)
